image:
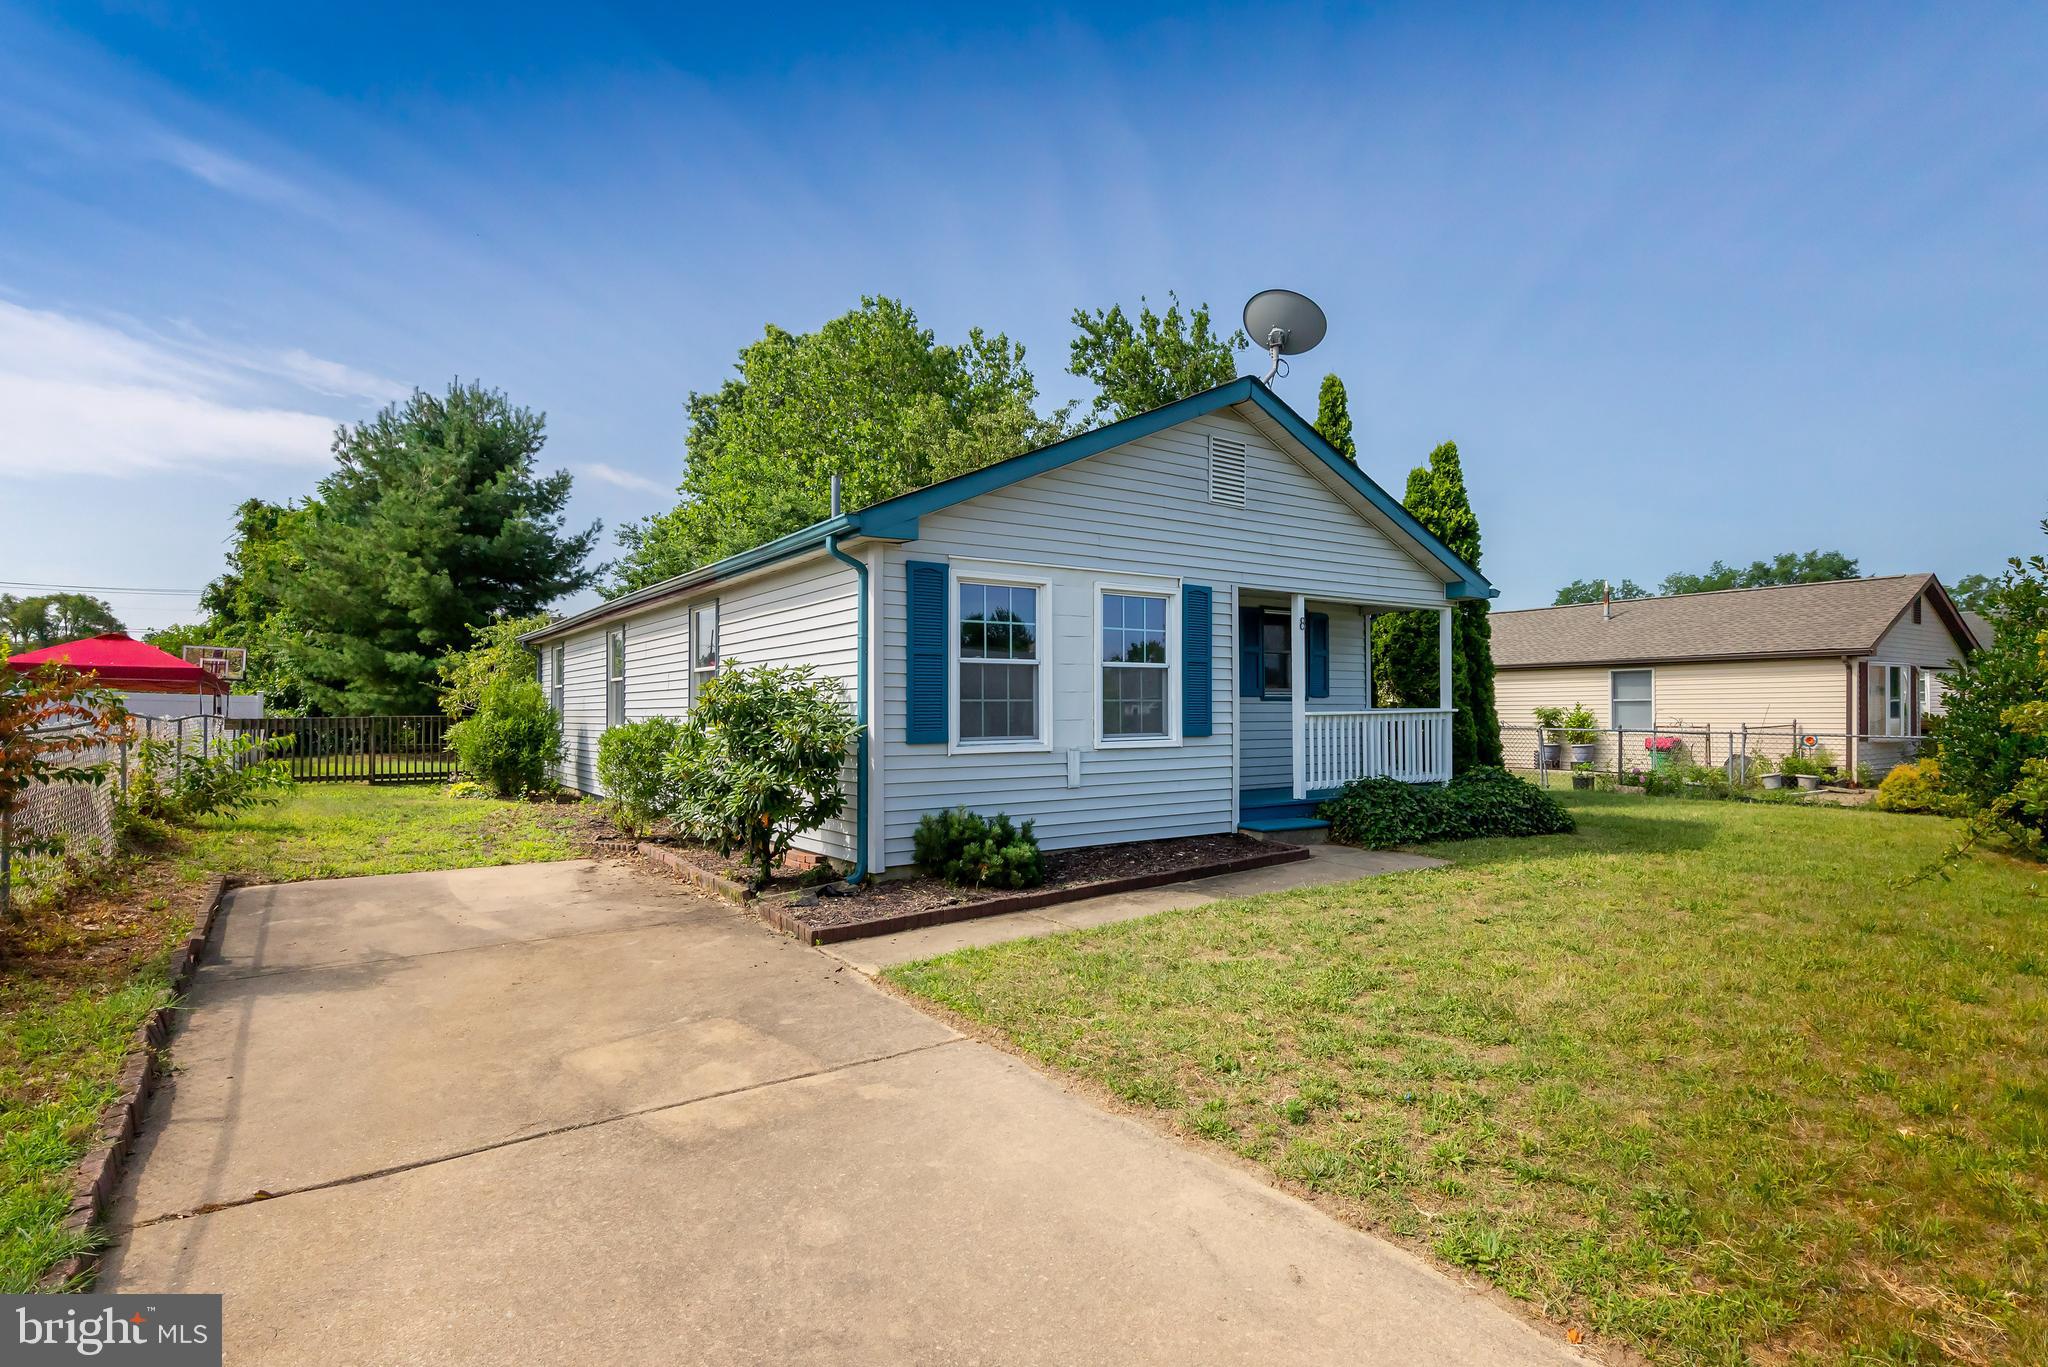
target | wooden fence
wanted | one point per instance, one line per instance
(360, 749)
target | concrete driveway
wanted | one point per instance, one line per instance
(567, 1113)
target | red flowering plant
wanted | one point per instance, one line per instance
(1664, 743)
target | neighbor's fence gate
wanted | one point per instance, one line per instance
(360, 749)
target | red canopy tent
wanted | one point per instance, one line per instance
(125, 665)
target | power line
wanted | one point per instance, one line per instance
(96, 588)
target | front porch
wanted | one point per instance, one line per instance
(1305, 700)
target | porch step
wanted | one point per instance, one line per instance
(1276, 803)
(1285, 830)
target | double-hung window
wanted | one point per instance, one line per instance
(703, 647)
(1932, 691)
(615, 677)
(1135, 693)
(557, 665)
(1631, 704)
(997, 659)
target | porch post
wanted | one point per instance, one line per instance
(1443, 658)
(1297, 689)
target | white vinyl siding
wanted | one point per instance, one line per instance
(1720, 695)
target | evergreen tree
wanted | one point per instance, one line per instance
(1405, 643)
(434, 524)
(1333, 418)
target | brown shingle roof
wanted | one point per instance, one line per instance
(1844, 617)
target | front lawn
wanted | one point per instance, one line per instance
(76, 978)
(1698, 1078)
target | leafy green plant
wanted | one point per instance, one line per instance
(239, 773)
(970, 850)
(1379, 812)
(632, 764)
(1579, 724)
(760, 760)
(1550, 718)
(49, 719)
(512, 740)
(495, 653)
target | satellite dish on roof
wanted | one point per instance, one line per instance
(1284, 323)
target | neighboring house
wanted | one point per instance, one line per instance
(1858, 662)
(1157, 628)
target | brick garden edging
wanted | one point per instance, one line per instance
(99, 1172)
(703, 878)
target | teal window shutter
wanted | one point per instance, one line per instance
(1197, 652)
(925, 701)
(1319, 654)
(1251, 653)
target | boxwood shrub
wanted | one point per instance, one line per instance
(1379, 812)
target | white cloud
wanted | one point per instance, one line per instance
(227, 172)
(624, 479)
(81, 397)
(336, 380)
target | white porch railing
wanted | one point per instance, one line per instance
(1412, 744)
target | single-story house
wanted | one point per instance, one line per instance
(1156, 628)
(1857, 663)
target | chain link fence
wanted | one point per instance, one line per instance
(1747, 756)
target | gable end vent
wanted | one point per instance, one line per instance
(1226, 471)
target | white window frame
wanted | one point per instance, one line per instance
(700, 673)
(1169, 589)
(966, 572)
(558, 693)
(1933, 693)
(1904, 695)
(615, 677)
(1613, 724)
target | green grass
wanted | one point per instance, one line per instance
(1698, 1077)
(78, 978)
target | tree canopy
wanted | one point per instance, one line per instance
(1593, 590)
(1792, 567)
(433, 523)
(1972, 593)
(45, 619)
(1333, 418)
(872, 396)
(1142, 364)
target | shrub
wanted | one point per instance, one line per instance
(1578, 725)
(238, 774)
(974, 851)
(1378, 812)
(512, 739)
(1914, 787)
(494, 653)
(759, 760)
(632, 763)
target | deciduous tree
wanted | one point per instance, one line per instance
(46, 619)
(1594, 590)
(1144, 363)
(1792, 567)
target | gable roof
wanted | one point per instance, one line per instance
(896, 519)
(1841, 617)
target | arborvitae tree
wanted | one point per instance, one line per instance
(1333, 418)
(434, 524)
(1405, 644)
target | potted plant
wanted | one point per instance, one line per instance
(1801, 769)
(1582, 775)
(1579, 733)
(1664, 750)
(1549, 722)
(1774, 778)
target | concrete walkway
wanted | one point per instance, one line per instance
(566, 1114)
(1328, 864)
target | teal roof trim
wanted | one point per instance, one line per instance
(896, 519)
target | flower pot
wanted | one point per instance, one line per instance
(1809, 781)
(1546, 755)
(1583, 754)
(1582, 780)
(1777, 781)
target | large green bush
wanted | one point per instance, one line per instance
(1993, 733)
(512, 740)
(632, 764)
(1379, 812)
(760, 759)
(974, 851)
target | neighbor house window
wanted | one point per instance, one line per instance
(615, 678)
(1629, 705)
(1276, 646)
(1893, 685)
(557, 672)
(1931, 693)
(1134, 666)
(703, 647)
(997, 662)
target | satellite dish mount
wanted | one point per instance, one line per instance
(1285, 324)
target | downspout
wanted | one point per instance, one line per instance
(860, 697)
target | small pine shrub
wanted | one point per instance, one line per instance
(973, 851)
(632, 764)
(512, 740)
(1378, 812)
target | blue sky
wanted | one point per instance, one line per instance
(1683, 282)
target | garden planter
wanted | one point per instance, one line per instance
(1546, 755)
(1809, 781)
(1773, 782)
(1583, 754)
(1582, 780)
